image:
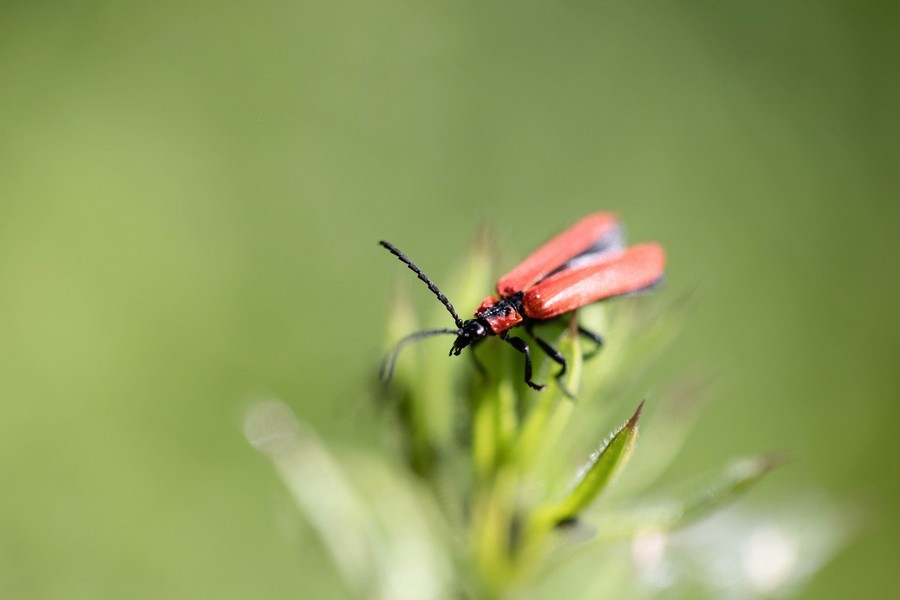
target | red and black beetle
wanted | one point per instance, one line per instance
(585, 263)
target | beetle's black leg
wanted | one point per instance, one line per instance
(594, 337)
(557, 357)
(552, 352)
(520, 345)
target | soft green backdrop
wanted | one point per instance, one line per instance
(191, 192)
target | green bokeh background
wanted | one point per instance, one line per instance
(191, 192)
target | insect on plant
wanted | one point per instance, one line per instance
(584, 264)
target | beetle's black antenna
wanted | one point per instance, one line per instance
(431, 285)
(387, 368)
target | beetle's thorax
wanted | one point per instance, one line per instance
(494, 316)
(502, 313)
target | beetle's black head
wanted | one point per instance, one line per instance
(472, 331)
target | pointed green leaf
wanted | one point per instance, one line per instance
(676, 411)
(600, 470)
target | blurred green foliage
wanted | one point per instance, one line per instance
(191, 192)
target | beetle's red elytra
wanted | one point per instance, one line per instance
(584, 264)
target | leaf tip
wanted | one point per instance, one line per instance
(632, 422)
